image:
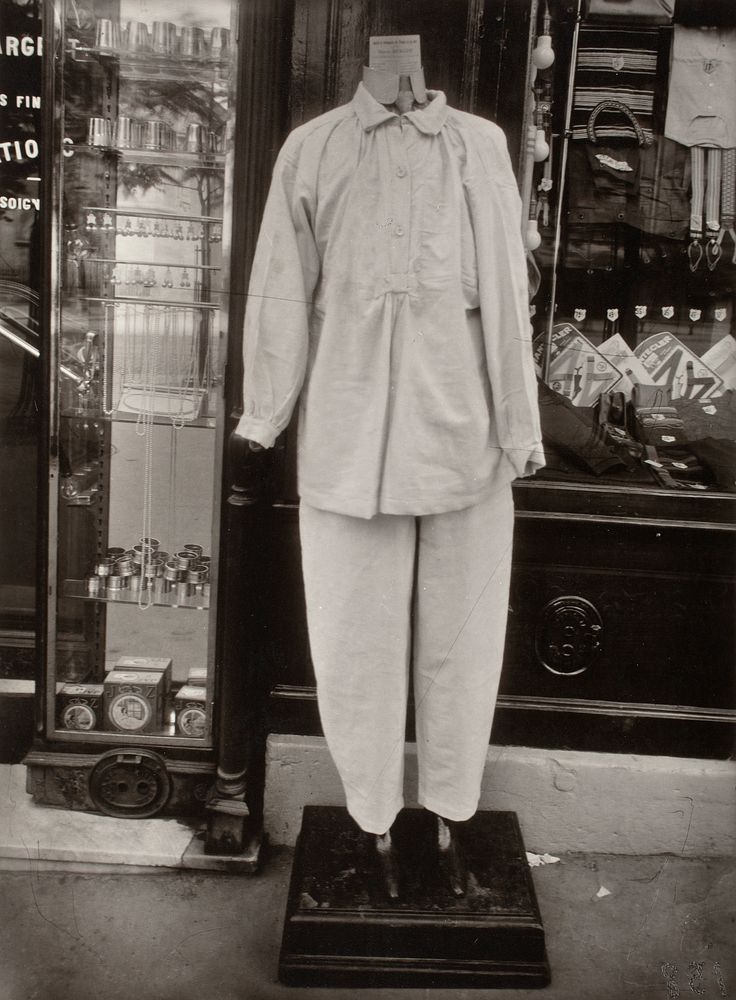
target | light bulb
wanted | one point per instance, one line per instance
(541, 146)
(533, 236)
(543, 55)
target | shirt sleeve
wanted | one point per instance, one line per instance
(504, 303)
(276, 332)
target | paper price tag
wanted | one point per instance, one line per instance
(395, 53)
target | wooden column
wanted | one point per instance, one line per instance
(234, 807)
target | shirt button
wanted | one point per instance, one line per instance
(401, 171)
(399, 231)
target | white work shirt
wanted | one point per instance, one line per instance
(389, 295)
(701, 106)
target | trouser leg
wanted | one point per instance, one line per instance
(358, 579)
(463, 571)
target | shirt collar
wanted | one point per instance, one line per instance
(429, 119)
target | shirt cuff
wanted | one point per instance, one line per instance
(527, 461)
(254, 429)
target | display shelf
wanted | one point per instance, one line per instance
(137, 213)
(124, 262)
(162, 739)
(148, 65)
(161, 157)
(78, 590)
(143, 300)
(164, 419)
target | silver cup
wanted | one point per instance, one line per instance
(142, 553)
(192, 44)
(196, 576)
(99, 132)
(156, 135)
(124, 567)
(220, 43)
(171, 571)
(196, 138)
(164, 38)
(137, 37)
(137, 131)
(107, 34)
(124, 132)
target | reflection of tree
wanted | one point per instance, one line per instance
(145, 177)
(19, 76)
(149, 88)
(181, 101)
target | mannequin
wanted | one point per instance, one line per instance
(403, 93)
(389, 298)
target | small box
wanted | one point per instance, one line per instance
(161, 664)
(157, 664)
(197, 677)
(134, 701)
(79, 706)
(190, 706)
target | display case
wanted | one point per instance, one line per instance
(630, 186)
(139, 105)
(628, 172)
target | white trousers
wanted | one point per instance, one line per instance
(388, 591)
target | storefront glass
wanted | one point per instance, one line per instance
(631, 219)
(143, 92)
(20, 212)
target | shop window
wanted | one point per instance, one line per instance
(632, 198)
(20, 212)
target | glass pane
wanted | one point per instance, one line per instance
(20, 202)
(635, 209)
(146, 104)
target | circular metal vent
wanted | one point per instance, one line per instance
(130, 783)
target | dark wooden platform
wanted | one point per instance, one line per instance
(340, 930)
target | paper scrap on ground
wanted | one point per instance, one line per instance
(602, 892)
(536, 860)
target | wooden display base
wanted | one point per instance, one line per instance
(340, 930)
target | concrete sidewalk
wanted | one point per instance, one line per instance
(617, 928)
(96, 908)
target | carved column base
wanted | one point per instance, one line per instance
(231, 830)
